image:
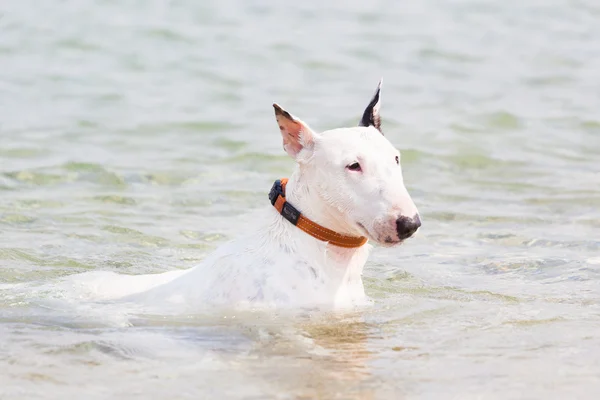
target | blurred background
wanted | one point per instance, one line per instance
(137, 136)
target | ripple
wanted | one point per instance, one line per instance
(260, 162)
(527, 266)
(591, 126)
(19, 254)
(502, 120)
(166, 178)
(205, 237)
(38, 178)
(16, 219)
(22, 152)
(534, 322)
(230, 144)
(84, 123)
(38, 204)
(515, 240)
(83, 167)
(78, 44)
(472, 160)
(189, 126)
(319, 65)
(133, 236)
(429, 53)
(168, 35)
(116, 199)
(413, 156)
(91, 172)
(558, 80)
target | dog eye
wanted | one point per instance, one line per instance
(354, 167)
(397, 160)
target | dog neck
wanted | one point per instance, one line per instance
(306, 200)
(336, 269)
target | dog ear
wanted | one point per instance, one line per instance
(295, 133)
(371, 115)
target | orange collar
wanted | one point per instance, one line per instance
(289, 212)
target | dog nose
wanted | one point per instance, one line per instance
(406, 226)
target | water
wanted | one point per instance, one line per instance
(137, 136)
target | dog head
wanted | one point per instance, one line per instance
(352, 177)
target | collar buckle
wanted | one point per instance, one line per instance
(276, 191)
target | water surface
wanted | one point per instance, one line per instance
(137, 136)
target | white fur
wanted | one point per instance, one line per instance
(280, 265)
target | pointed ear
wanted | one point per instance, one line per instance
(295, 133)
(371, 115)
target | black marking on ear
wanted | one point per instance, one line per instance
(371, 115)
(281, 111)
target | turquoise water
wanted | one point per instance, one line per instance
(137, 136)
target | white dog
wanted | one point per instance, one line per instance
(347, 188)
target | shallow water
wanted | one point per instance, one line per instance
(136, 137)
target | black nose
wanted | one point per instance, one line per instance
(406, 226)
